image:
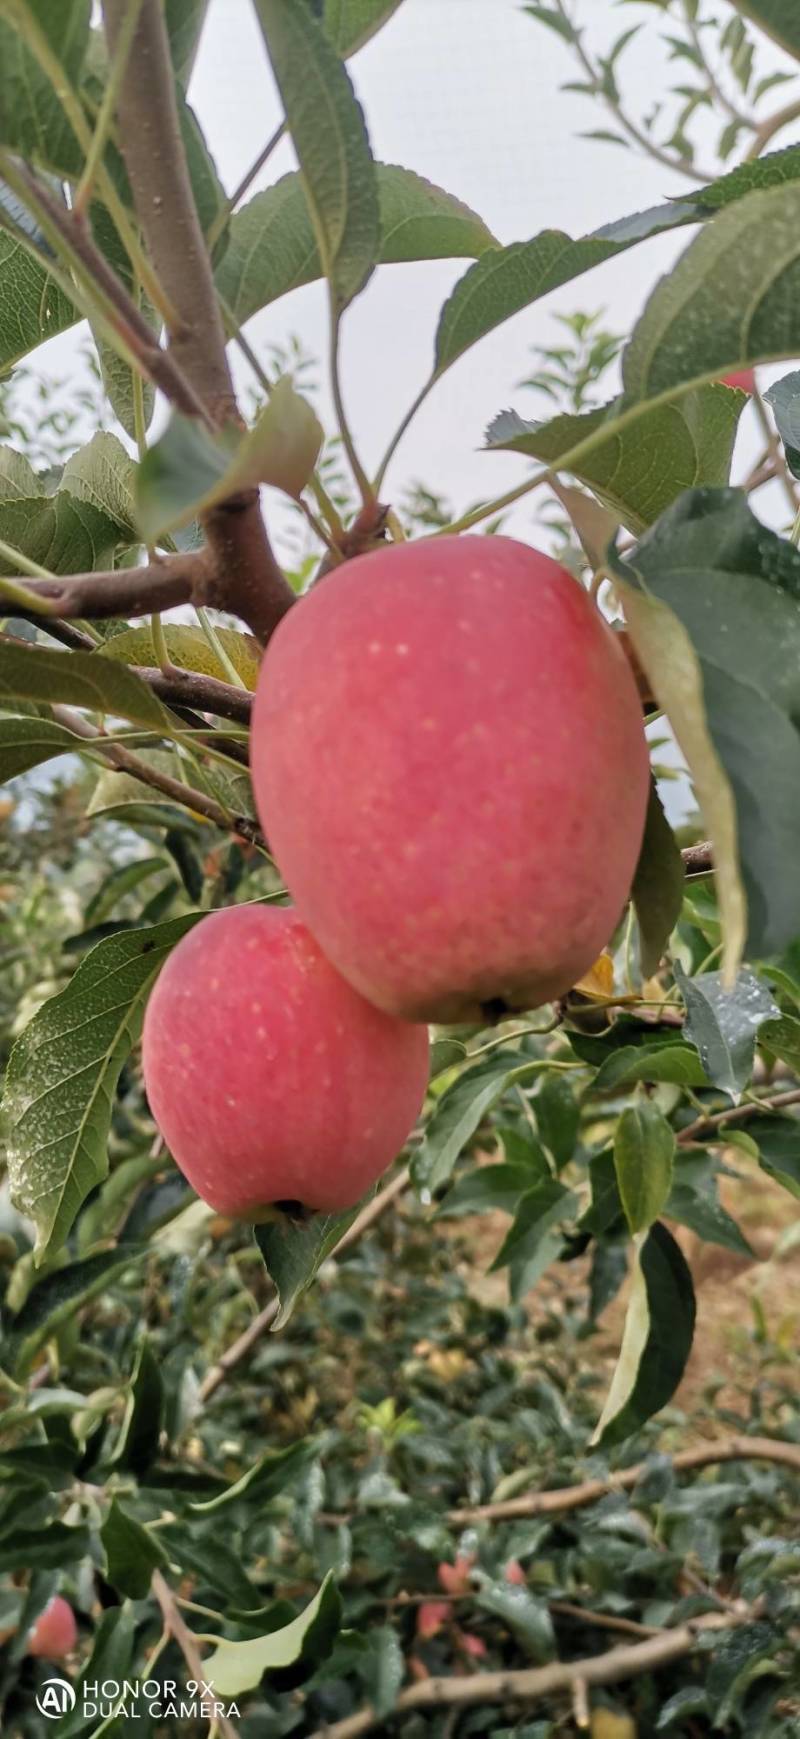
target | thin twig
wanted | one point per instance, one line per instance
(187, 1643)
(704, 1126)
(174, 789)
(255, 1329)
(772, 125)
(534, 1683)
(575, 1497)
(226, 211)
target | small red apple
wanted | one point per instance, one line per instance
(55, 1632)
(455, 1578)
(270, 1078)
(432, 1616)
(449, 763)
(744, 379)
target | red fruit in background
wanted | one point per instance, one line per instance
(432, 1616)
(474, 1646)
(450, 765)
(514, 1573)
(270, 1079)
(55, 1632)
(745, 379)
(454, 1578)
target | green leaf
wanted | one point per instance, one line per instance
(33, 308)
(528, 1246)
(60, 532)
(265, 1480)
(782, 1038)
(352, 23)
(496, 1187)
(730, 300)
(189, 649)
(132, 1553)
(456, 1118)
(330, 139)
(657, 891)
(777, 17)
(189, 470)
(732, 698)
(63, 1071)
(120, 881)
(723, 1023)
(235, 1667)
(779, 1150)
(774, 169)
(273, 248)
(784, 397)
(644, 1146)
(659, 1327)
(527, 1618)
(32, 118)
(111, 1660)
(554, 20)
(55, 1298)
(81, 679)
(26, 742)
(140, 1432)
(184, 21)
(640, 469)
(43, 1548)
(701, 1211)
(103, 474)
(18, 480)
(674, 1062)
(294, 1250)
(557, 1114)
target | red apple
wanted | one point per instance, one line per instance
(270, 1079)
(450, 765)
(55, 1632)
(745, 379)
(432, 1616)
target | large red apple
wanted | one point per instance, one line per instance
(450, 766)
(270, 1078)
(55, 1632)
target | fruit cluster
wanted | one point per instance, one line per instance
(450, 767)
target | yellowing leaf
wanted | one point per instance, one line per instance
(599, 980)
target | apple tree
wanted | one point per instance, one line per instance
(447, 922)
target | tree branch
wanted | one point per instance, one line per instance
(736, 1114)
(533, 1683)
(188, 688)
(187, 1643)
(698, 859)
(244, 575)
(159, 585)
(174, 789)
(576, 1497)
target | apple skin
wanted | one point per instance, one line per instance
(745, 380)
(55, 1632)
(270, 1079)
(449, 762)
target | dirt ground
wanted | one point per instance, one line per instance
(748, 1310)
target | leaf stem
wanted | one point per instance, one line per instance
(226, 211)
(365, 488)
(105, 115)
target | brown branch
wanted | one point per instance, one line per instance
(737, 1114)
(187, 1643)
(534, 1683)
(772, 125)
(259, 1325)
(243, 575)
(576, 1497)
(698, 859)
(159, 585)
(188, 688)
(152, 146)
(174, 789)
